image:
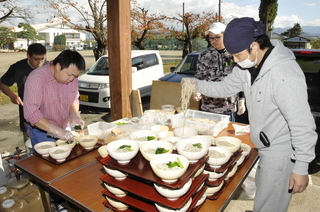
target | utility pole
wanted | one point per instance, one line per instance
(219, 10)
(183, 16)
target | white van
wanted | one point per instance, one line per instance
(94, 84)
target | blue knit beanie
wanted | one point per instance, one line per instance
(240, 33)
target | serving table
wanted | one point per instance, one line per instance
(80, 184)
(44, 172)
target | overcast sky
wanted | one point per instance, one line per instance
(304, 12)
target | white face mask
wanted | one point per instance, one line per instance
(247, 63)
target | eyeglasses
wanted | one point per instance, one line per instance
(215, 38)
(38, 59)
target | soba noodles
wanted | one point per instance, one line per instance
(186, 91)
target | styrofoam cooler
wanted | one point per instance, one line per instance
(221, 122)
(101, 129)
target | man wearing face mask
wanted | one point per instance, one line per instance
(281, 124)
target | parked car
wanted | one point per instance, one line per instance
(94, 84)
(78, 48)
(308, 59)
(186, 68)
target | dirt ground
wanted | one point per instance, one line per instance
(10, 135)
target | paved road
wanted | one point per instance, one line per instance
(8, 58)
(10, 135)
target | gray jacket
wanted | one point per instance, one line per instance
(277, 104)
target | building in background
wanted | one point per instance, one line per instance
(74, 38)
(297, 43)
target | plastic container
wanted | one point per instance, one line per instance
(101, 129)
(249, 188)
(25, 194)
(15, 204)
(5, 173)
(28, 146)
(5, 193)
(203, 128)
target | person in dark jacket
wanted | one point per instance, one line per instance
(18, 73)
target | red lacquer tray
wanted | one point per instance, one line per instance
(77, 151)
(138, 205)
(232, 159)
(140, 168)
(244, 161)
(148, 193)
(224, 186)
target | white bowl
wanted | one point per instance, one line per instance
(62, 142)
(60, 153)
(147, 148)
(88, 141)
(162, 130)
(101, 129)
(240, 160)
(183, 209)
(199, 188)
(199, 171)
(209, 139)
(169, 176)
(123, 157)
(142, 136)
(213, 176)
(117, 204)
(231, 173)
(221, 156)
(173, 194)
(185, 147)
(246, 149)
(115, 173)
(43, 147)
(201, 200)
(184, 132)
(103, 152)
(116, 191)
(228, 142)
(212, 190)
(172, 139)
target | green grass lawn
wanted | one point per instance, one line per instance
(6, 100)
(166, 66)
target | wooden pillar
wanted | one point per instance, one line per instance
(119, 51)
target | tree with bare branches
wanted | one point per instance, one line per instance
(10, 9)
(194, 26)
(145, 25)
(92, 18)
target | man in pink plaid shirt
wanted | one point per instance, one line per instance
(51, 98)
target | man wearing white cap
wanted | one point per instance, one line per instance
(281, 124)
(214, 64)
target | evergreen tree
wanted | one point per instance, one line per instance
(59, 42)
(6, 36)
(28, 33)
(268, 12)
(293, 32)
(315, 43)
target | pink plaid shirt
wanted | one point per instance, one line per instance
(44, 97)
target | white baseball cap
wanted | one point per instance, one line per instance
(216, 28)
